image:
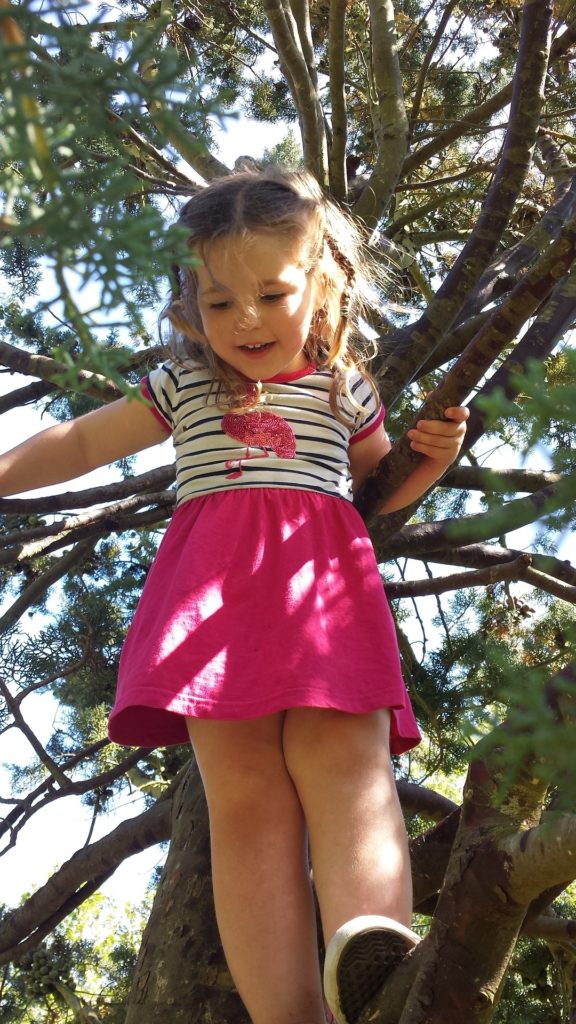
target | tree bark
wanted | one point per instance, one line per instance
(181, 974)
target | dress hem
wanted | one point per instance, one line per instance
(156, 725)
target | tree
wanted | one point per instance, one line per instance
(446, 129)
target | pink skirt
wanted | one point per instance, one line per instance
(260, 600)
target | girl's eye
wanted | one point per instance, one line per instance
(272, 296)
(220, 305)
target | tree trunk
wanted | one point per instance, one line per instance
(181, 974)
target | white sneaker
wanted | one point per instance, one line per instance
(359, 958)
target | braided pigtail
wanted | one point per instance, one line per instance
(345, 352)
(338, 345)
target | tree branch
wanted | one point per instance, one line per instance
(49, 763)
(337, 157)
(26, 395)
(483, 112)
(93, 384)
(35, 591)
(509, 264)
(301, 12)
(45, 793)
(450, 346)
(468, 370)
(556, 165)
(460, 581)
(426, 802)
(150, 481)
(19, 816)
(145, 147)
(542, 857)
(483, 167)
(87, 867)
(485, 525)
(557, 315)
(550, 929)
(53, 920)
(483, 903)
(474, 555)
(542, 581)
(391, 135)
(497, 481)
(92, 532)
(304, 93)
(22, 544)
(434, 44)
(526, 103)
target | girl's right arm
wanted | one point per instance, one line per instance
(71, 449)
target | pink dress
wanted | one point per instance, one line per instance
(265, 593)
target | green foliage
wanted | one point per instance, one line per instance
(538, 988)
(544, 413)
(501, 669)
(75, 210)
(86, 965)
(287, 153)
(270, 101)
(494, 653)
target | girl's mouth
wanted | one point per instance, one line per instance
(257, 350)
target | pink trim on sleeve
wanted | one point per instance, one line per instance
(369, 429)
(145, 390)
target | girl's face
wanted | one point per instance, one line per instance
(256, 305)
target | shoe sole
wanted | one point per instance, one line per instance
(358, 966)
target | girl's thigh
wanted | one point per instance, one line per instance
(238, 757)
(329, 742)
(342, 772)
(341, 767)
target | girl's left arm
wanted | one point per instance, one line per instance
(439, 441)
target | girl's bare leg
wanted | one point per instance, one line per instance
(260, 870)
(341, 768)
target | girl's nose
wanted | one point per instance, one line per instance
(248, 319)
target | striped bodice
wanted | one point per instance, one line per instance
(291, 440)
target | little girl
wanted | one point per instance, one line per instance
(263, 632)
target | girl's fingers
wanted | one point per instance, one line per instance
(441, 439)
(438, 454)
(439, 428)
(436, 443)
(457, 415)
(457, 412)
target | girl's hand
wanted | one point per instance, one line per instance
(440, 440)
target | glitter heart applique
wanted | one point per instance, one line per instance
(263, 430)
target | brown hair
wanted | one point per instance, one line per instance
(292, 207)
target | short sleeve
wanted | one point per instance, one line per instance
(368, 418)
(159, 387)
